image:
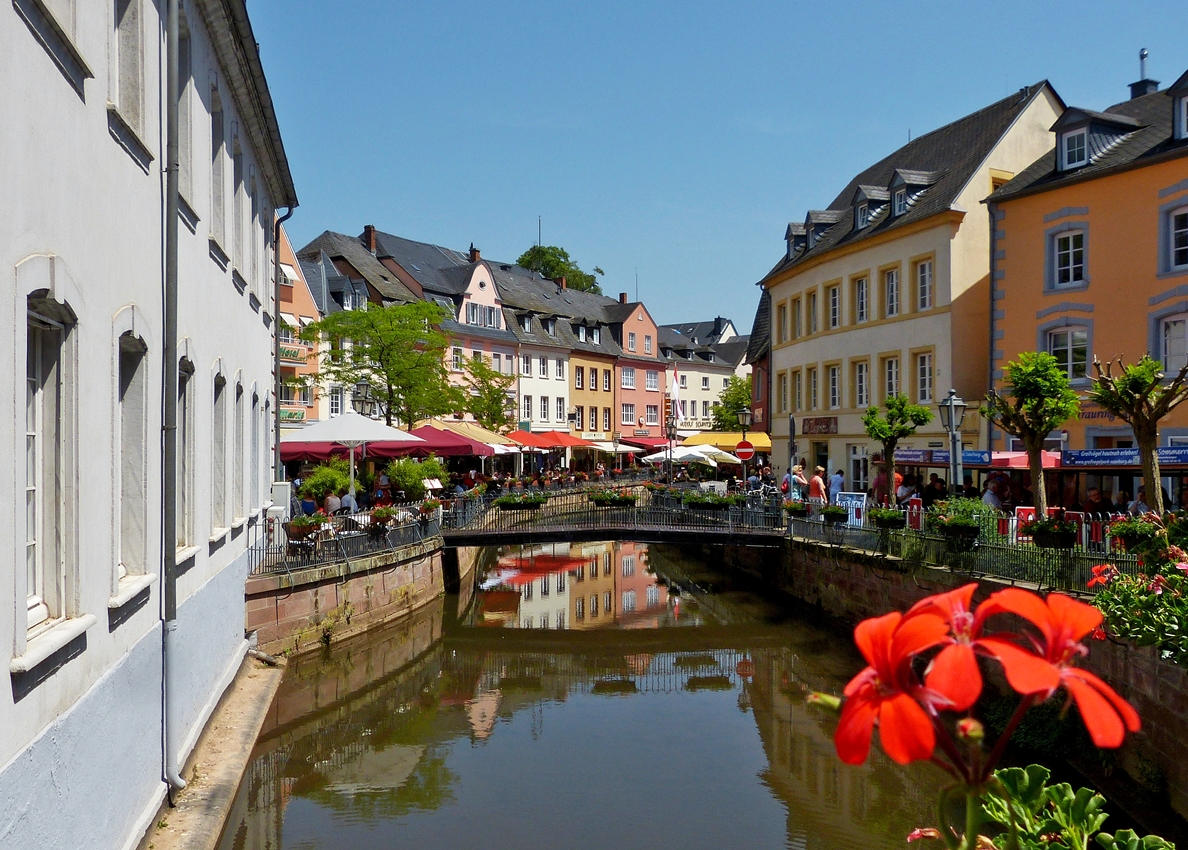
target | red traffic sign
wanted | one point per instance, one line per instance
(744, 450)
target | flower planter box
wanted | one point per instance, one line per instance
(707, 507)
(1054, 539)
(619, 502)
(835, 519)
(531, 506)
(960, 538)
(891, 522)
(797, 513)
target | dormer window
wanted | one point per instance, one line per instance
(551, 327)
(596, 335)
(900, 201)
(526, 323)
(1074, 149)
(863, 214)
(581, 333)
(1182, 117)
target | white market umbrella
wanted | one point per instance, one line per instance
(682, 454)
(352, 430)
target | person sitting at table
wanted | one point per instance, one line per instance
(332, 504)
(348, 501)
(309, 507)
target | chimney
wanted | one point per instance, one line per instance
(561, 281)
(717, 326)
(475, 254)
(369, 237)
(1143, 86)
(622, 297)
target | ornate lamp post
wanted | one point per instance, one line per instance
(744, 421)
(952, 414)
(670, 431)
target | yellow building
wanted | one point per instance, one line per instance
(1091, 254)
(888, 290)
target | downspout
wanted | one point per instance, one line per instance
(278, 467)
(169, 409)
(993, 211)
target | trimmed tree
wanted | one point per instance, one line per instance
(1140, 398)
(735, 396)
(1036, 398)
(900, 421)
(398, 350)
(486, 395)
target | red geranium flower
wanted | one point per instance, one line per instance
(1062, 622)
(1102, 574)
(954, 672)
(888, 693)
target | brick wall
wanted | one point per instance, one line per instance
(852, 586)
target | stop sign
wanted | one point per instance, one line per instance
(744, 450)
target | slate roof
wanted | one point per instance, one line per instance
(703, 332)
(759, 341)
(734, 350)
(1152, 142)
(525, 292)
(429, 264)
(349, 248)
(326, 284)
(953, 152)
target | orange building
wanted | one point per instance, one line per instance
(298, 360)
(1090, 256)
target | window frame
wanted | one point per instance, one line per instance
(861, 383)
(1172, 232)
(891, 379)
(652, 414)
(812, 380)
(924, 380)
(1083, 135)
(1069, 330)
(925, 271)
(631, 340)
(1163, 321)
(834, 381)
(899, 202)
(835, 306)
(544, 408)
(626, 372)
(891, 305)
(651, 380)
(578, 375)
(862, 299)
(1075, 268)
(624, 418)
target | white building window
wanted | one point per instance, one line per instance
(863, 216)
(237, 479)
(812, 389)
(457, 360)
(861, 384)
(544, 367)
(705, 382)
(628, 601)
(133, 457)
(129, 65)
(653, 595)
(218, 180)
(218, 460)
(185, 454)
(628, 414)
(1179, 234)
(559, 372)
(923, 378)
(526, 407)
(596, 335)
(647, 343)
(891, 377)
(652, 414)
(834, 387)
(578, 373)
(606, 380)
(684, 381)
(526, 323)
(783, 393)
(579, 608)
(652, 380)
(581, 333)
(526, 365)
(497, 362)
(336, 397)
(256, 470)
(725, 383)
(861, 299)
(900, 201)
(1070, 347)
(924, 285)
(579, 418)
(560, 409)
(627, 378)
(812, 313)
(1070, 258)
(1074, 149)
(1175, 343)
(834, 306)
(544, 408)
(891, 292)
(705, 410)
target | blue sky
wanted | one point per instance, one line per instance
(673, 139)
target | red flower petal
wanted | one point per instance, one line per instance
(915, 635)
(855, 728)
(873, 638)
(943, 604)
(1026, 671)
(1101, 721)
(1080, 619)
(1022, 602)
(1125, 710)
(954, 673)
(905, 730)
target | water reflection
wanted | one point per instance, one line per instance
(564, 719)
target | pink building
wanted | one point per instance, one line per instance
(641, 374)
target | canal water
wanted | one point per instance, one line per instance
(580, 696)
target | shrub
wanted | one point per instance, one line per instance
(1053, 524)
(525, 500)
(324, 479)
(877, 515)
(409, 474)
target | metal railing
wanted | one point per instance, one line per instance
(276, 547)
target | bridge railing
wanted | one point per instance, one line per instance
(276, 547)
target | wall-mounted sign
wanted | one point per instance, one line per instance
(1168, 456)
(292, 415)
(913, 456)
(969, 457)
(818, 425)
(640, 432)
(1091, 410)
(287, 353)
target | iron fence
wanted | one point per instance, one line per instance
(276, 547)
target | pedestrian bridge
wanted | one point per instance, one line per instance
(573, 518)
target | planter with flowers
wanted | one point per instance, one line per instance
(612, 498)
(835, 514)
(525, 502)
(1052, 532)
(887, 518)
(301, 527)
(1138, 533)
(381, 520)
(796, 509)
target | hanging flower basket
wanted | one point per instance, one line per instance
(834, 515)
(1048, 539)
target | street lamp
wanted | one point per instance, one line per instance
(361, 399)
(952, 414)
(744, 421)
(670, 431)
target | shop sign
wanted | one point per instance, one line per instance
(818, 425)
(292, 415)
(913, 456)
(1091, 411)
(855, 503)
(287, 353)
(969, 457)
(641, 432)
(1168, 456)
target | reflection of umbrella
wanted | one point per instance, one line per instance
(350, 430)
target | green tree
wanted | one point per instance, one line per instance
(554, 263)
(735, 396)
(1035, 399)
(409, 474)
(1140, 398)
(486, 396)
(398, 350)
(901, 420)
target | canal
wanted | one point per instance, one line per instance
(578, 695)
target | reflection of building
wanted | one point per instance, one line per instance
(542, 579)
(642, 602)
(593, 593)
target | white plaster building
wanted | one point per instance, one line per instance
(84, 144)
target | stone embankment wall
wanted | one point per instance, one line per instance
(852, 585)
(307, 609)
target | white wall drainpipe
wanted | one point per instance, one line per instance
(172, 735)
